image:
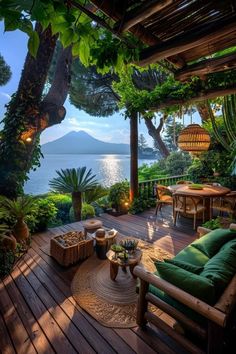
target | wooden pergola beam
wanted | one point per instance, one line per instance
(208, 66)
(141, 13)
(138, 30)
(183, 42)
(201, 96)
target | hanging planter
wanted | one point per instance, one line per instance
(194, 139)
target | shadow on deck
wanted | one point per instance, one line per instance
(39, 315)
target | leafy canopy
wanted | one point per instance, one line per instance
(5, 71)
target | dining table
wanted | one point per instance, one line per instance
(207, 192)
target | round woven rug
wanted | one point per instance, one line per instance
(112, 303)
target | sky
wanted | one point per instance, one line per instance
(13, 47)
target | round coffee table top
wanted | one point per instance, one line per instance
(134, 258)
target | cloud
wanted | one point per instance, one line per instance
(5, 95)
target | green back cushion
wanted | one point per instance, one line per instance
(192, 255)
(196, 285)
(230, 244)
(220, 269)
(185, 265)
(213, 241)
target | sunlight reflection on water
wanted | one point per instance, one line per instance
(109, 169)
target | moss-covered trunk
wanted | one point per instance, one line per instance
(29, 113)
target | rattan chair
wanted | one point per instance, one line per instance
(163, 197)
(226, 204)
(188, 205)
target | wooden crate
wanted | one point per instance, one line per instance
(67, 255)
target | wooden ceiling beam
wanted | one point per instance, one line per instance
(194, 38)
(141, 13)
(138, 30)
(201, 96)
(208, 66)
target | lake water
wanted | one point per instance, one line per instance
(109, 169)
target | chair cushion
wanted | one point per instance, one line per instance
(220, 269)
(230, 244)
(192, 255)
(185, 265)
(196, 285)
(213, 241)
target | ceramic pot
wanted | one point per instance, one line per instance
(8, 243)
(21, 230)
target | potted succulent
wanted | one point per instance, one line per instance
(19, 209)
(129, 245)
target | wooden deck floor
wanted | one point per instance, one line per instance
(39, 315)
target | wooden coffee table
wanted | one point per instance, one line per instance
(115, 263)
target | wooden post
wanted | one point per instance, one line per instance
(133, 156)
(142, 303)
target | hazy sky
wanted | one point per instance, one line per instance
(13, 47)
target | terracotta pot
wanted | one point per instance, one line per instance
(21, 230)
(8, 242)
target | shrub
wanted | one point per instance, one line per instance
(119, 194)
(63, 203)
(87, 212)
(92, 195)
(44, 214)
(140, 204)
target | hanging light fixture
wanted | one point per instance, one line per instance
(194, 139)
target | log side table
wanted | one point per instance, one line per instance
(115, 263)
(91, 226)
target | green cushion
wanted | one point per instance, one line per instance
(176, 304)
(196, 285)
(230, 244)
(185, 265)
(192, 255)
(213, 241)
(220, 269)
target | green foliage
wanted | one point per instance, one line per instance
(142, 203)
(18, 208)
(87, 212)
(42, 216)
(92, 195)
(177, 163)
(73, 180)
(63, 203)
(172, 130)
(153, 171)
(213, 223)
(5, 72)
(119, 195)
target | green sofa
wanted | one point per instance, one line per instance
(197, 287)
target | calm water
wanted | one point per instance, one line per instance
(108, 168)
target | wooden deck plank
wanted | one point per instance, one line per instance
(16, 329)
(6, 345)
(31, 325)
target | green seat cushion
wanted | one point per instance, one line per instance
(213, 241)
(229, 244)
(176, 304)
(194, 284)
(186, 265)
(220, 269)
(192, 255)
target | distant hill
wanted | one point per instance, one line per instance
(83, 143)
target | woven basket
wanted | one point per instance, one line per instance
(194, 139)
(67, 255)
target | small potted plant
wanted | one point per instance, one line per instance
(129, 245)
(19, 209)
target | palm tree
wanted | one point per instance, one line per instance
(76, 182)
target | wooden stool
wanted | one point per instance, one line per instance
(90, 226)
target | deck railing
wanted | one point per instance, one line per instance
(150, 186)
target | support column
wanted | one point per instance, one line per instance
(133, 156)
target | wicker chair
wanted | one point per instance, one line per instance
(189, 206)
(226, 204)
(163, 197)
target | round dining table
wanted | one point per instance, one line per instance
(207, 192)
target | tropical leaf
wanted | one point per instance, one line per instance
(19, 207)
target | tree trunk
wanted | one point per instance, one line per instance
(203, 111)
(155, 133)
(133, 156)
(28, 113)
(77, 205)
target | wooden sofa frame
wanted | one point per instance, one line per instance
(218, 317)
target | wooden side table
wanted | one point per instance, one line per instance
(115, 263)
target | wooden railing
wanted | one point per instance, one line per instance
(149, 187)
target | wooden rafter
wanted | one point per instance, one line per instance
(208, 66)
(141, 13)
(186, 41)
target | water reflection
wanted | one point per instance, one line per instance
(111, 169)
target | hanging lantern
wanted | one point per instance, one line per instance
(194, 139)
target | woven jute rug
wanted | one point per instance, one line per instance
(112, 303)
